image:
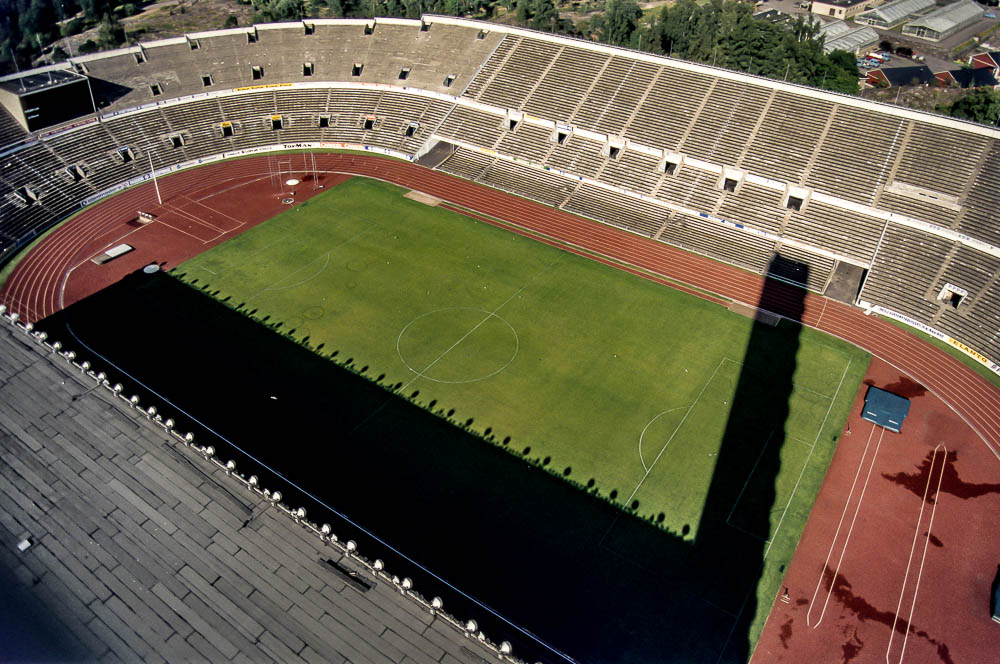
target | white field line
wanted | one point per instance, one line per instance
(747, 482)
(683, 419)
(850, 531)
(923, 558)
(819, 433)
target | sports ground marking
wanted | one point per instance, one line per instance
(272, 288)
(218, 212)
(649, 424)
(676, 429)
(836, 535)
(805, 464)
(489, 314)
(421, 374)
(273, 285)
(751, 590)
(913, 546)
(181, 212)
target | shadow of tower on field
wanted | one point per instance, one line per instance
(743, 508)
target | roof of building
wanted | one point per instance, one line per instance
(135, 548)
(894, 12)
(852, 40)
(974, 78)
(992, 55)
(948, 17)
(917, 74)
(839, 3)
(834, 29)
(35, 82)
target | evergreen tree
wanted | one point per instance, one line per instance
(981, 105)
(621, 19)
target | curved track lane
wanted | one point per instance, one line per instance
(36, 287)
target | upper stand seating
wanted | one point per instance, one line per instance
(10, 131)
(565, 84)
(787, 137)
(981, 219)
(719, 133)
(668, 109)
(903, 271)
(856, 154)
(615, 95)
(940, 158)
(518, 76)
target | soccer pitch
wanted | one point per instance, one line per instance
(605, 378)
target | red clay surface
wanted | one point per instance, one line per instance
(898, 556)
(959, 408)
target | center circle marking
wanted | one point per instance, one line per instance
(487, 314)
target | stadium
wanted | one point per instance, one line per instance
(681, 253)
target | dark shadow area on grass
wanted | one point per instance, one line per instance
(469, 521)
(724, 564)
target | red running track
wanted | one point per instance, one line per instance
(44, 281)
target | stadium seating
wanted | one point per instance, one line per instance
(514, 103)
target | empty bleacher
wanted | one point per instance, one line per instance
(578, 155)
(940, 158)
(565, 85)
(719, 134)
(527, 182)
(820, 267)
(527, 142)
(788, 135)
(977, 325)
(903, 271)
(836, 229)
(615, 95)
(670, 106)
(519, 74)
(712, 239)
(983, 200)
(856, 154)
(472, 126)
(634, 171)
(10, 131)
(466, 164)
(755, 206)
(628, 213)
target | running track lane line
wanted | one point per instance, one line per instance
(923, 558)
(843, 551)
(975, 400)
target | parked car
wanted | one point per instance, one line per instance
(989, 15)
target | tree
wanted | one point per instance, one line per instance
(981, 105)
(621, 19)
(111, 33)
(544, 15)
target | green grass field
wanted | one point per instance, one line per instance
(595, 373)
